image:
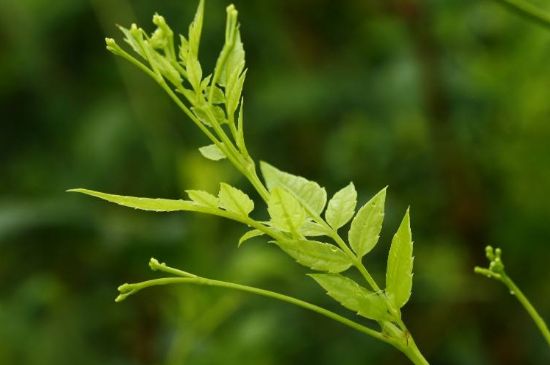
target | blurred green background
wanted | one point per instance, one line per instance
(447, 102)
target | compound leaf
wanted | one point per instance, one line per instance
(400, 264)
(353, 296)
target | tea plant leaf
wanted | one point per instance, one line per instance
(212, 152)
(365, 227)
(341, 207)
(155, 205)
(286, 212)
(250, 234)
(400, 264)
(353, 296)
(316, 255)
(203, 198)
(308, 192)
(234, 200)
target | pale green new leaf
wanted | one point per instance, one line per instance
(195, 29)
(286, 212)
(400, 264)
(234, 200)
(353, 296)
(316, 255)
(203, 112)
(212, 152)
(155, 205)
(234, 64)
(134, 37)
(341, 207)
(203, 198)
(309, 193)
(194, 73)
(217, 95)
(365, 227)
(233, 91)
(313, 229)
(250, 234)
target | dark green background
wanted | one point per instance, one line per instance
(447, 102)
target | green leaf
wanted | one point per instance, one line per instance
(400, 264)
(353, 296)
(250, 234)
(155, 205)
(312, 229)
(161, 65)
(184, 50)
(134, 37)
(316, 255)
(365, 227)
(341, 207)
(195, 29)
(217, 95)
(194, 73)
(287, 214)
(233, 91)
(235, 62)
(201, 112)
(203, 198)
(212, 152)
(309, 193)
(234, 200)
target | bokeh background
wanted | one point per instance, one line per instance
(447, 102)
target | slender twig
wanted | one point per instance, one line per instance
(496, 271)
(129, 289)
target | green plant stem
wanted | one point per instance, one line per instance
(128, 289)
(529, 11)
(514, 290)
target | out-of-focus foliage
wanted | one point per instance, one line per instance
(445, 102)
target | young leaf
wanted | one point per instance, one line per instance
(194, 73)
(353, 296)
(155, 205)
(217, 95)
(212, 152)
(312, 229)
(287, 214)
(202, 113)
(203, 198)
(234, 200)
(365, 227)
(400, 265)
(316, 255)
(234, 64)
(250, 234)
(195, 29)
(341, 207)
(134, 37)
(309, 193)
